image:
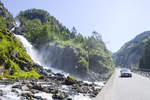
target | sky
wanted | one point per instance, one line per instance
(118, 21)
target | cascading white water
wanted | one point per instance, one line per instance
(17, 22)
(30, 49)
(35, 55)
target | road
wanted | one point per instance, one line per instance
(135, 88)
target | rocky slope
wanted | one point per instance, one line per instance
(14, 61)
(131, 52)
(50, 86)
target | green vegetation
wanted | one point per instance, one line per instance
(131, 52)
(14, 61)
(6, 19)
(100, 60)
(145, 59)
(40, 28)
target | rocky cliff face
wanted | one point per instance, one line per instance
(130, 53)
(67, 58)
(77, 61)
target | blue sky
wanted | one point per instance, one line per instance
(118, 21)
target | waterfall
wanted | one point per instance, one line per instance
(35, 55)
(32, 52)
(17, 22)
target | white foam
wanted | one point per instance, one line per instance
(44, 95)
(29, 48)
(7, 94)
(80, 97)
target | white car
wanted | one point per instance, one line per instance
(125, 73)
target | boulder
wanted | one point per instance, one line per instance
(25, 88)
(60, 95)
(34, 91)
(28, 96)
(16, 86)
(14, 90)
(70, 81)
(1, 92)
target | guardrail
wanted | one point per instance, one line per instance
(143, 72)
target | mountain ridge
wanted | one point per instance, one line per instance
(129, 54)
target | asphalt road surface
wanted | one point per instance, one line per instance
(135, 88)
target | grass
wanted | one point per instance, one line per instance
(24, 75)
(12, 56)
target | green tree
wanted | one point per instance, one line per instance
(97, 36)
(73, 32)
(145, 59)
(2, 22)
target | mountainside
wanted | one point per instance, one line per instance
(131, 52)
(6, 19)
(14, 61)
(145, 59)
(39, 27)
(64, 49)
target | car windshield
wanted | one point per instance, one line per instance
(125, 70)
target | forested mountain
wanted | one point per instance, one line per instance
(131, 52)
(39, 24)
(64, 49)
(145, 59)
(14, 61)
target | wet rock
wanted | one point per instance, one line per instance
(40, 69)
(42, 77)
(45, 89)
(95, 92)
(28, 96)
(60, 95)
(34, 91)
(53, 90)
(7, 81)
(48, 70)
(37, 86)
(25, 88)
(37, 97)
(70, 81)
(59, 75)
(40, 87)
(44, 99)
(14, 90)
(69, 98)
(1, 92)
(29, 85)
(16, 86)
